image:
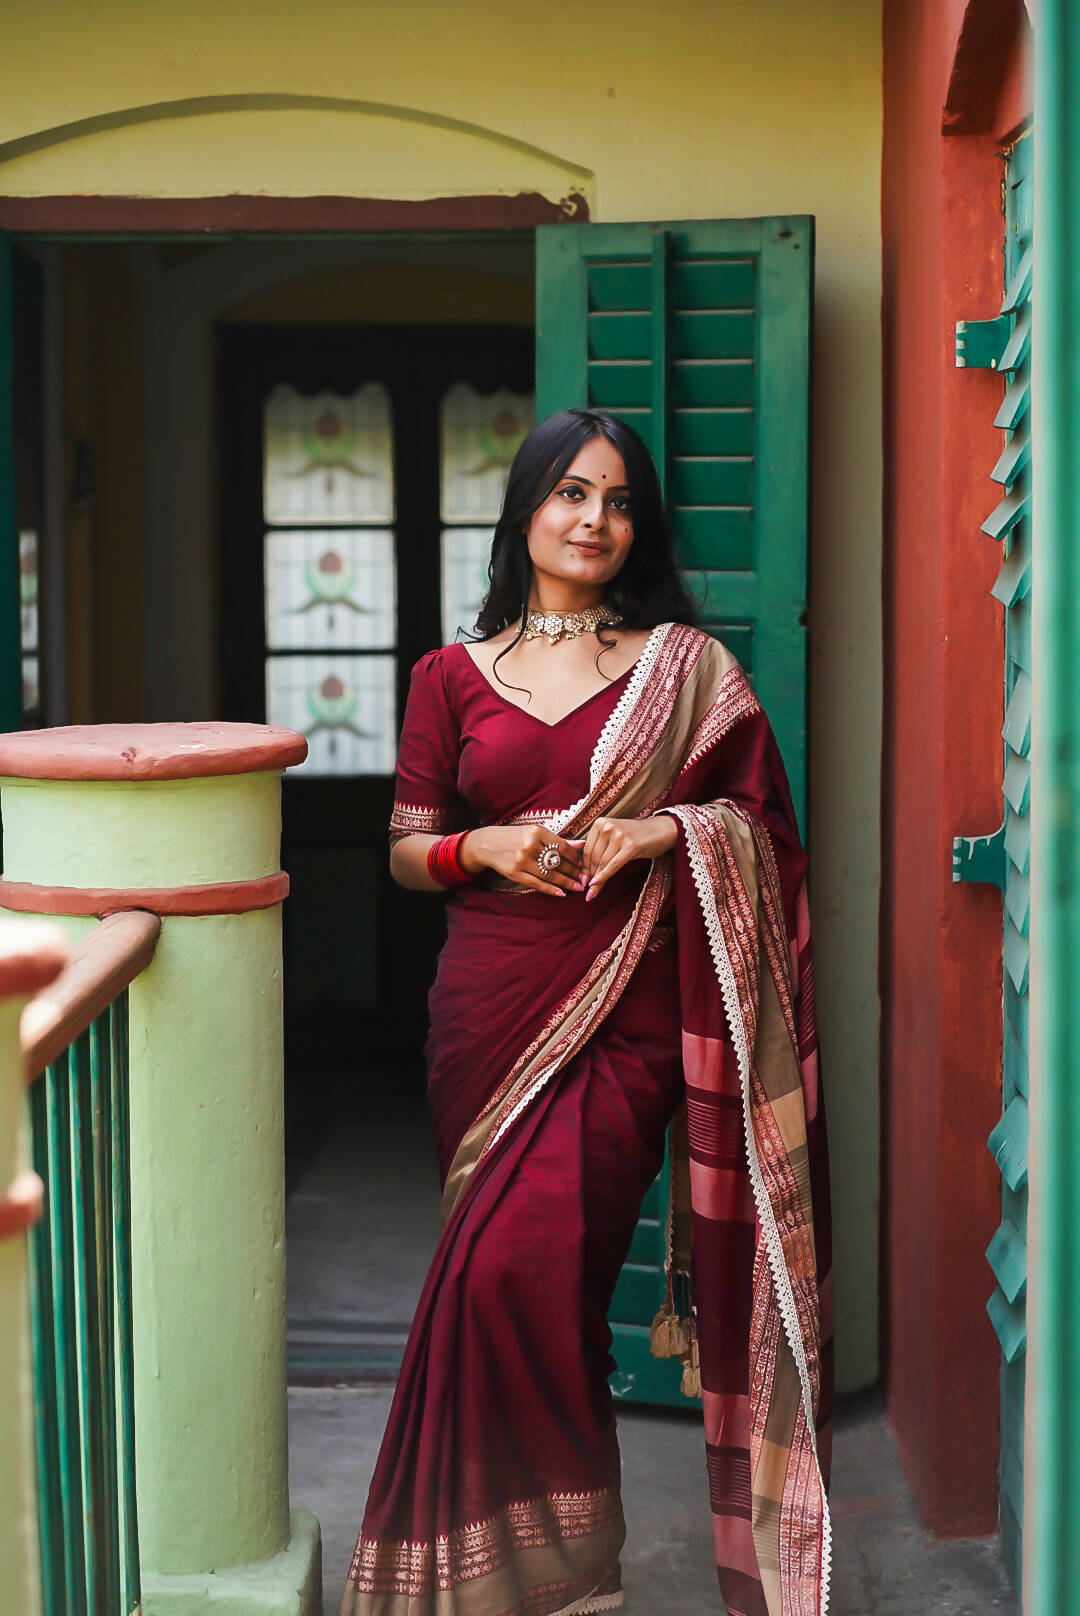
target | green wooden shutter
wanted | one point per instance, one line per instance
(1004, 857)
(698, 334)
(1011, 523)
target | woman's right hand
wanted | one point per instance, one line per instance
(512, 851)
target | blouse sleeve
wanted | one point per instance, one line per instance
(426, 793)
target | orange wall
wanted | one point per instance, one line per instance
(942, 752)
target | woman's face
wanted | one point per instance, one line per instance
(583, 531)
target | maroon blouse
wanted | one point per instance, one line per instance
(469, 756)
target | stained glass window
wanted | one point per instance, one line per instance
(28, 619)
(465, 552)
(330, 588)
(480, 435)
(330, 576)
(343, 704)
(326, 458)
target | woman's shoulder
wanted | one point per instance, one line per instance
(434, 676)
(438, 663)
(700, 644)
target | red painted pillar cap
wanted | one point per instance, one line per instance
(148, 751)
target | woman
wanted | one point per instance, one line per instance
(627, 931)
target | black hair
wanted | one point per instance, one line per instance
(646, 590)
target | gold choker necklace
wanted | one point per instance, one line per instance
(554, 626)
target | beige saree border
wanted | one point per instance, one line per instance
(731, 941)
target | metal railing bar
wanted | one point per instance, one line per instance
(46, 1423)
(102, 1152)
(89, 1338)
(101, 966)
(121, 1199)
(58, 1106)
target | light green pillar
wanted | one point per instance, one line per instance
(31, 954)
(149, 816)
(1052, 1446)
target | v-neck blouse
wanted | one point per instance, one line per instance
(468, 755)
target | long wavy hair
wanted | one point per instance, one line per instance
(646, 590)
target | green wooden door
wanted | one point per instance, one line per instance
(1004, 344)
(698, 334)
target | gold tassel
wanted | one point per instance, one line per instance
(691, 1375)
(667, 1338)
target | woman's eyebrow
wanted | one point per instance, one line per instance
(573, 477)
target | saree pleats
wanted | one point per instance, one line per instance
(503, 1392)
(566, 1038)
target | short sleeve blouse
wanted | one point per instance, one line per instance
(426, 794)
(470, 756)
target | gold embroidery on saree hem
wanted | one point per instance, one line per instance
(412, 819)
(416, 1569)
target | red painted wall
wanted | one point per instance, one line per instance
(948, 64)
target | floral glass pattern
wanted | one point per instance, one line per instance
(328, 459)
(343, 704)
(480, 434)
(330, 589)
(464, 554)
(28, 619)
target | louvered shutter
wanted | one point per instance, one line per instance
(1004, 857)
(1010, 522)
(698, 334)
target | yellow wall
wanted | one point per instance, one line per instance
(690, 108)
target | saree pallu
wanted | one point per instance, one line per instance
(565, 1038)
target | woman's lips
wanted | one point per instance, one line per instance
(587, 547)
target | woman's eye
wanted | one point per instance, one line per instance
(621, 503)
(571, 490)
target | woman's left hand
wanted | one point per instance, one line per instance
(611, 843)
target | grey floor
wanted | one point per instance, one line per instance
(360, 1221)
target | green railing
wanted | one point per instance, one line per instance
(76, 1050)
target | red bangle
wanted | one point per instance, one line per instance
(444, 862)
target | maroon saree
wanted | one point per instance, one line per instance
(566, 1037)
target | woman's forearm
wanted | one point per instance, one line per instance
(408, 863)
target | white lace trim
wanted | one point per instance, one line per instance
(627, 701)
(606, 742)
(774, 1249)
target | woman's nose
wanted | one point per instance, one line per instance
(596, 518)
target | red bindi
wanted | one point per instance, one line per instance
(603, 476)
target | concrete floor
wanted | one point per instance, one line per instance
(360, 1222)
